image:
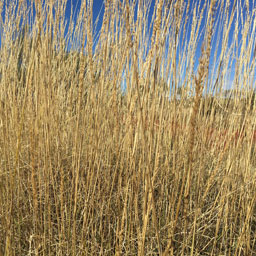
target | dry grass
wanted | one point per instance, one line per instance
(87, 168)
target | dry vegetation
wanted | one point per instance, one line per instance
(88, 168)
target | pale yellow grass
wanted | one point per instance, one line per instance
(88, 168)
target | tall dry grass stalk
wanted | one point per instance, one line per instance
(123, 140)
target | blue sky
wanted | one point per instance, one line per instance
(98, 10)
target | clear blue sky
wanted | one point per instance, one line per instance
(98, 9)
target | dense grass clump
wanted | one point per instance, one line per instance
(123, 140)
